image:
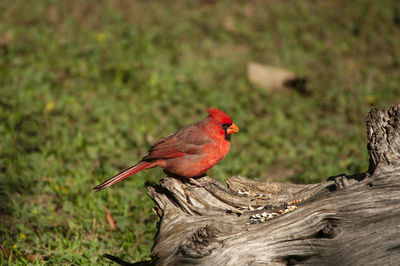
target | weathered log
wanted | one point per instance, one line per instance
(346, 220)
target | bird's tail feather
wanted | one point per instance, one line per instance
(124, 174)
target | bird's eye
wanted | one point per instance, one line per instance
(225, 126)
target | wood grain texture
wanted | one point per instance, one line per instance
(346, 220)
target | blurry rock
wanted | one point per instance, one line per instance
(272, 78)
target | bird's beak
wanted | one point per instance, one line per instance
(232, 129)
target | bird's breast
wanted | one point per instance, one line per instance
(213, 153)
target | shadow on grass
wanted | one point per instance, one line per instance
(6, 213)
(9, 189)
(125, 263)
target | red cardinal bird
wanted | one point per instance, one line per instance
(190, 152)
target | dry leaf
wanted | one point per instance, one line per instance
(5, 252)
(111, 222)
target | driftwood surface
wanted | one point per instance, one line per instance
(346, 220)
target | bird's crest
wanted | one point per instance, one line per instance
(219, 116)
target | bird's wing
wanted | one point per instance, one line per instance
(191, 139)
(164, 149)
(188, 140)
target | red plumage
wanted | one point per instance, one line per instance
(190, 152)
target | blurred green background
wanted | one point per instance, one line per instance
(87, 86)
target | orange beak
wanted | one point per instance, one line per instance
(232, 129)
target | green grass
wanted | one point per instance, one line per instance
(87, 86)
